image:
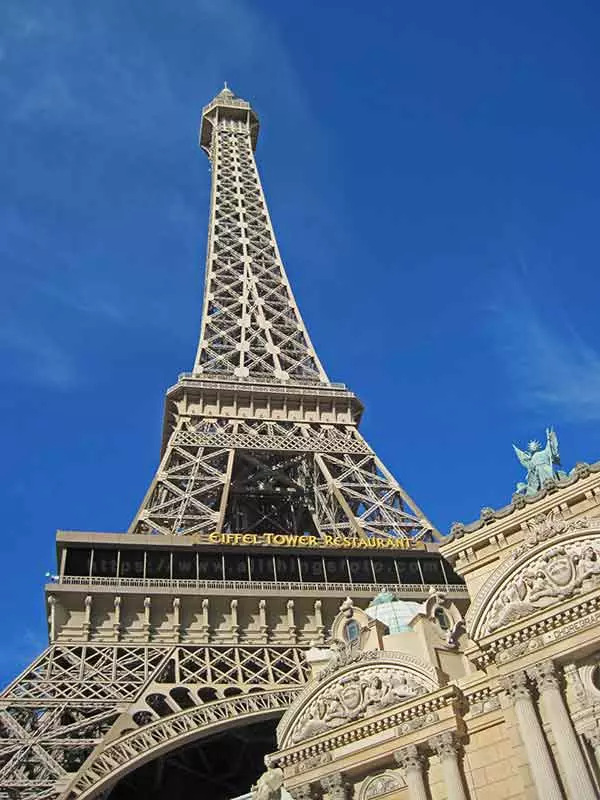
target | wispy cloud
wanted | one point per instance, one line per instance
(553, 369)
(20, 651)
(33, 357)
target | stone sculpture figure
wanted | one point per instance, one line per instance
(268, 786)
(539, 462)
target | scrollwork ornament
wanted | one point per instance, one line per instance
(555, 574)
(544, 676)
(516, 685)
(409, 759)
(445, 745)
(336, 786)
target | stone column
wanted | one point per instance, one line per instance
(570, 757)
(532, 736)
(593, 737)
(411, 761)
(336, 786)
(446, 746)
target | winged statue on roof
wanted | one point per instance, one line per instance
(540, 463)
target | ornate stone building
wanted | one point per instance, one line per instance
(501, 703)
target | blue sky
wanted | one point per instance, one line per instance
(432, 172)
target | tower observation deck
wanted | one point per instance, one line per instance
(183, 638)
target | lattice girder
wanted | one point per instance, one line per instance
(74, 698)
(239, 475)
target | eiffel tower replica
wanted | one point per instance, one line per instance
(175, 647)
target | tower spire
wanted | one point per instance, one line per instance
(251, 325)
(256, 438)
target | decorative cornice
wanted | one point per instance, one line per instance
(565, 621)
(418, 714)
(519, 501)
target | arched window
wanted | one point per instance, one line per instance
(442, 618)
(352, 631)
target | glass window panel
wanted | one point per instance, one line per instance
(408, 569)
(78, 561)
(432, 570)
(131, 564)
(287, 568)
(184, 565)
(360, 570)
(261, 568)
(210, 567)
(236, 568)
(336, 569)
(158, 564)
(312, 569)
(385, 571)
(105, 563)
(452, 576)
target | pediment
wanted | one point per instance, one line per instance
(375, 681)
(560, 559)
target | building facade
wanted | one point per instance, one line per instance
(502, 702)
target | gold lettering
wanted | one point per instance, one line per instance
(312, 541)
(268, 538)
(249, 538)
(303, 540)
(215, 538)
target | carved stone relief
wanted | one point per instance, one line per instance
(352, 697)
(556, 574)
(378, 785)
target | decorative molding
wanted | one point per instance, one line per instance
(378, 785)
(417, 715)
(540, 576)
(519, 501)
(410, 759)
(516, 686)
(336, 785)
(354, 696)
(369, 682)
(445, 745)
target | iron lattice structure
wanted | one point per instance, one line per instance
(261, 440)
(256, 439)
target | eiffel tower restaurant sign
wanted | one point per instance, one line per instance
(296, 541)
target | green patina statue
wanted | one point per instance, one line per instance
(539, 463)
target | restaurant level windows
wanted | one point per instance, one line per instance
(131, 564)
(261, 568)
(432, 570)
(385, 571)
(312, 569)
(360, 570)
(158, 564)
(286, 568)
(408, 570)
(105, 563)
(336, 570)
(210, 567)
(78, 561)
(184, 566)
(236, 568)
